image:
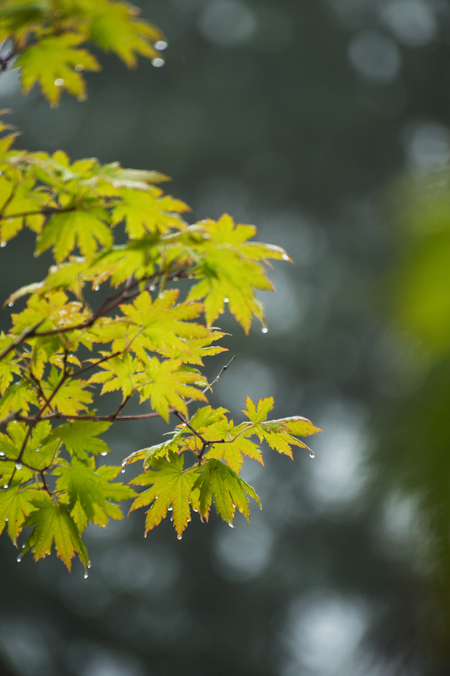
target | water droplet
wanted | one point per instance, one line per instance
(171, 518)
(2, 453)
(285, 257)
(179, 537)
(104, 453)
(170, 508)
(96, 288)
(312, 454)
(158, 62)
(19, 559)
(19, 466)
(11, 304)
(226, 300)
(231, 525)
(89, 564)
(7, 519)
(37, 450)
(79, 67)
(195, 510)
(3, 244)
(6, 486)
(264, 329)
(122, 471)
(175, 279)
(86, 575)
(152, 287)
(161, 45)
(59, 82)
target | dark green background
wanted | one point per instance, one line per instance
(285, 115)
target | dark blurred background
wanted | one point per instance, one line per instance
(327, 124)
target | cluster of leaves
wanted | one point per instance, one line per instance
(46, 37)
(143, 341)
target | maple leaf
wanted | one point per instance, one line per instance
(228, 268)
(166, 384)
(170, 487)
(17, 398)
(53, 63)
(86, 489)
(21, 199)
(71, 396)
(40, 448)
(152, 452)
(278, 433)
(16, 503)
(82, 227)
(228, 489)
(114, 27)
(80, 438)
(53, 523)
(53, 311)
(119, 373)
(146, 211)
(9, 366)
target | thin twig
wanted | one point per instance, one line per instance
(21, 339)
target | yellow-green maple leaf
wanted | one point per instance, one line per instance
(170, 487)
(53, 523)
(53, 63)
(166, 385)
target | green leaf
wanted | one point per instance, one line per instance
(170, 487)
(53, 523)
(53, 63)
(80, 438)
(227, 488)
(71, 397)
(166, 385)
(84, 228)
(114, 27)
(16, 504)
(86, 486)
(228, 268)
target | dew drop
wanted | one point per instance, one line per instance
(231, 525)
(264, 329)
(19, 559)
(86, 575)
(3, 244)
(19, 466)
(2, 453)
(179, 537)
(122, 471)
(59, 82)
(158, 62)
(96, 288)
(37, 450)
(161, 45)
(79, 67)
(104, 453)
(89, 564)
(7, 519)
(171, 518)
(11, 304)
(6, 486)
(152, 287)
(312, 454)
(170, 508)
(226, 300)
(285, 257)
(175, 279)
